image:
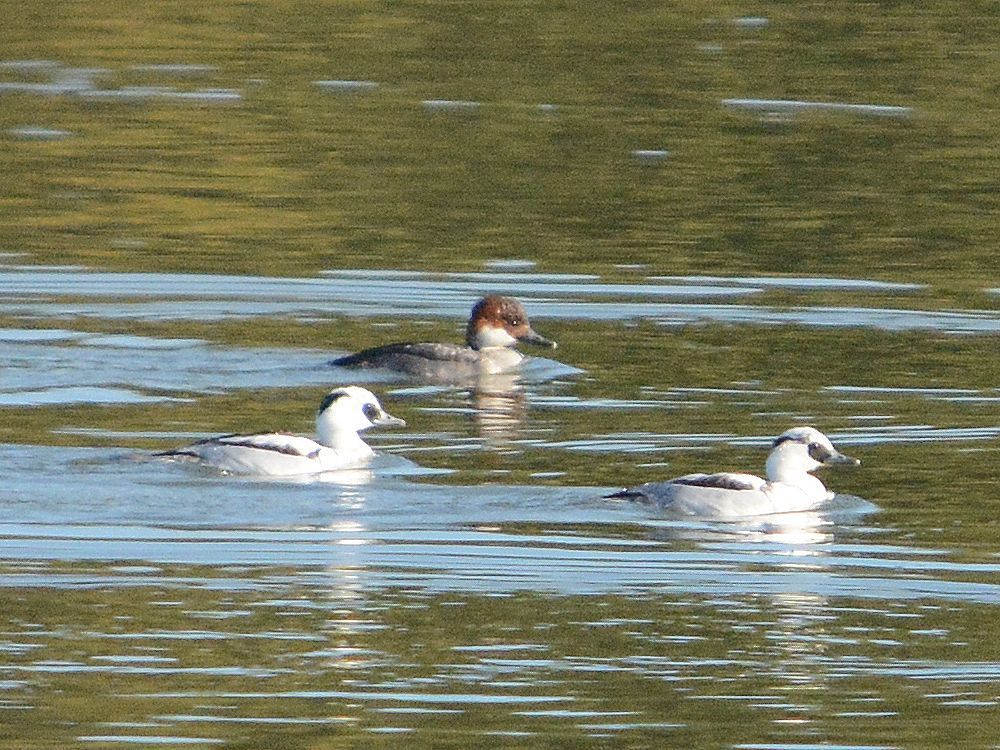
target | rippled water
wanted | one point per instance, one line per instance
(473, 584)
(381, 602)
(733, 221)
(553, 295)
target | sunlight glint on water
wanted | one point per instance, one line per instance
(732, 223)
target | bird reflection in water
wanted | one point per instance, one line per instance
(499, 405)
(795, 531)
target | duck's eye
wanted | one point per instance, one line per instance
(514, 322)
(370, 411)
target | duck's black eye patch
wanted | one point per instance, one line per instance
(819, 452)
(330, 398)
(371, 412)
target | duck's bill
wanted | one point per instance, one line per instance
(385, 419)
(824, 455)
(840, 458)
(538, 340)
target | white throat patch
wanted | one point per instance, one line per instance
(489, 336)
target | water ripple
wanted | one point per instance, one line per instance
(162, 296)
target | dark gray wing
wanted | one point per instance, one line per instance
(721, 481)
(381, 356)
(412, 358)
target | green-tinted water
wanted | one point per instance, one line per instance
(504, 603)
(292, 179)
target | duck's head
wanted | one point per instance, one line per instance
(801, 450)
(501, 321)
(351, 408)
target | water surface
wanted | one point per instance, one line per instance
(733, 220)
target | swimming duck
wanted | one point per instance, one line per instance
(343, 413)
(789, 487)
(496, 325)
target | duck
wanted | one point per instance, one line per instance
(343, 413)
(789, 487)
(496, 325)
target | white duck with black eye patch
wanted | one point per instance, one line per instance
(790, 486)
(342, 415)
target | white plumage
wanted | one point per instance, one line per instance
(342, 415)
(789, 487)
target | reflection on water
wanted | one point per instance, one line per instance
(165, 606)
(731, 222)
(786, 107)
(331, 649)
(51, 366)
(85, 83)
(570, 297)
(499, 406)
